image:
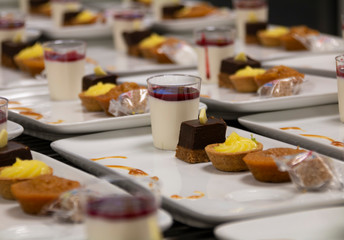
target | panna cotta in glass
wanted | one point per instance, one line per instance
(122, 218)
(340, 85)
(173, 98)
(3, 113)
(246, 9)
(125, 21)
(213, 44)
(60, 7)
(65, 67)
(12, 23)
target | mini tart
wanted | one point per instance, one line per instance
(6, 183)
(36, 193)
(244, 83)
(90, 102)
(33, 66)
(229, 162)
(268, 41)
(263, 167)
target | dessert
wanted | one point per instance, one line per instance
(99, 75)
(148, 46)
(79, 17)
(60, 7)
(293, 40)
(157, 7)
(88, 97)
(230, 65)
(21, 170)
(340, 84)
(3, 120)
(277, 72)
(65, 67)
(173, 99)
(198, 10)
(34, 194)
(194, 136)
(132, 40)
(41, 7)
(126, 217)
(253, 26)
(31, 59)
(244, 9)
(228, 156)
(169, 11)
(126, 21)
(244, 79)
(104, 99)
(13, 150)
(10, 48)
(272, 37)
(263, 167)
(213, 45)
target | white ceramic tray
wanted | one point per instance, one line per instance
(323, 64)
(321, 121)
(316, 90)
(207, 196)
(21, 226)
(316, 224)
(14, 129)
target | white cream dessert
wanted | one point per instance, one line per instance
(12, 24)
(125, 22)
(64, 73)
(340, 85)
(60, 7)
(122, 218)
(179, 102)
(3, 113)
(244, 10)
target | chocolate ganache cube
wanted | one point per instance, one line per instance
(93, 79)
(230, 65)
(13, 150)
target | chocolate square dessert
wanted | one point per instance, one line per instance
(168, 12)
(194, 137)
(13, 150)
(251, 31)
(68, 17)
(132, 40)
(230, 65)
(9, 50)
(93, 79)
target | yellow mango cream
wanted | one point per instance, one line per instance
(35, 51)
(99, 89)
(152, 41)
(248, 71)
(276, 32)
(25, 169)
(84, 17)
(235, 143)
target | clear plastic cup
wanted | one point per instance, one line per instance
(3, 113)
(340, 84)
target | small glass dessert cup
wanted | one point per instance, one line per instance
(213, 44)
(3, 113)
(125, 21)
(340, 85)
(65, 67)
(60, 7)
(244, 10)
(173, 99)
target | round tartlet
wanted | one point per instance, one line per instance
(263, 167)
(244, 83)
(229, 162)
(6, 183)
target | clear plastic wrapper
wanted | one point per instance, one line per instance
(321, 43)
(130, 103)
(311, 171)
(281, 87)
(180, 52)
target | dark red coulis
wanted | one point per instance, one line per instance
(3, 117)
(118, 207)
(174, 93)
(250, 4)
(212, 42)
(67, 57)
(11, 24)
(340, 71)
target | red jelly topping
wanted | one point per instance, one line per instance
(174, 93)
(249, 4)
(340, 71)
(118, 207)
(67, 57)
(213, 42)
(3, 117)
(11, 24)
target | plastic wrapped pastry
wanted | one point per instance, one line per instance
(281, 87)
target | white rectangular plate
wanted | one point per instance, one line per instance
(321, 121)
(18, 225)
(316, 90)
(227, 196)
(323, 64)
(323, 224)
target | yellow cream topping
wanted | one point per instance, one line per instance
(152, 41)
(84, 16)
(99, 89)
(203, 116)
(99, 71)
(241, 57)
(276, 32)
(248, 71)
(235, 143)
(252, 17)
(25, 169)
(3, 138)
(18, 37)
(31, 52)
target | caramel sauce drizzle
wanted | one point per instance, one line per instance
(91, 61)
(57, 122)
(35, 115)
(101, 158)
(333, 142)
(21, 108)
(198, 195)
(294, 128)
(132, 171)
(110, 68)
(205, 95)
(14, 102)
